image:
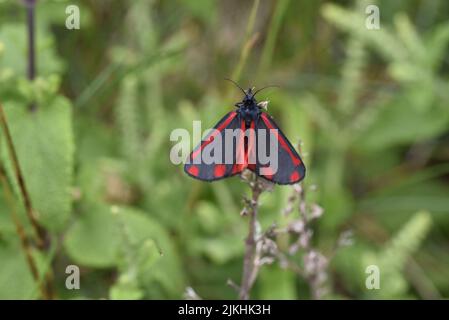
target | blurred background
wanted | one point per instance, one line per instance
(368, 108)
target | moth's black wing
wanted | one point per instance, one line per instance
(225, 164)
(286, 165)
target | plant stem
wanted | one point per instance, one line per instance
(30, 7)
(40, 233)
(250, 268)
(25, 244)
(312, 277)
(31, 43)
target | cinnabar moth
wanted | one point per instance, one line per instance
(246, 152)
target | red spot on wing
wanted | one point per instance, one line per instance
(219, 170)
(284, 143)
(294, 176)
(193, 170)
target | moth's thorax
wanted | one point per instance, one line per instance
(248, 110)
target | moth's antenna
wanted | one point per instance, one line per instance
(265, 88)
(236, 85)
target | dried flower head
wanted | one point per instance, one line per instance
(296, 226)
(316, 211)
(346, 239)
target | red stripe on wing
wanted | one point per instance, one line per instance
(250, 157)
(281, 139)
(240, 151)
(211, 138)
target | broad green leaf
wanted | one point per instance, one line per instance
(276, 283)
(220, 249)
(16, 281)
(125, 291)
(399, 124)
(14, 53)
(209, 217)
(139, 257)
(96, 240)
(45, 147)
(166, 271)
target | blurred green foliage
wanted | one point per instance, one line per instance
(369, 107)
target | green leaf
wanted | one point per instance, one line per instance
(219, 249)
(402, 124)
(210, 218)
(276, 283)
(350, 21)
(437, 44)
(125, 290)
(44, 145)
(166, 271)
(14, 43)
(204, 10)
(138, 259)
(393, 258)
(16, 281)
(96, 240)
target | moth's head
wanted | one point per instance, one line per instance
(249, 97)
